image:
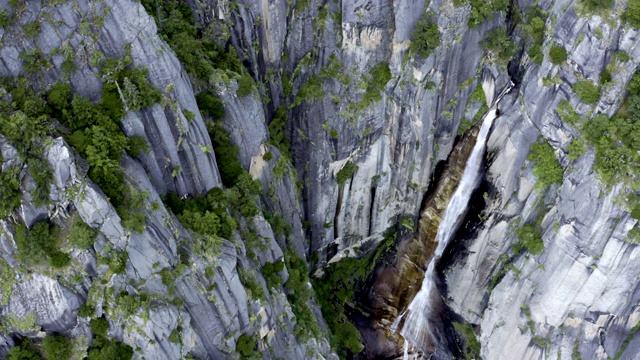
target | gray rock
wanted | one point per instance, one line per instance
(54, 305)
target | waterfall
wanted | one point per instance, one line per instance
(416, 324)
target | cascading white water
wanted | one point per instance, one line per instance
(416, 325)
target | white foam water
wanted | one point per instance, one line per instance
(416, 325)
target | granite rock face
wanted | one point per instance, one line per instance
(206, 308)
(580, 294)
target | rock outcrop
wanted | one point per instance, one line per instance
(313, 60)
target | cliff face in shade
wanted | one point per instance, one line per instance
(581, 292)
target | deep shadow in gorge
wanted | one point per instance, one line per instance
(399, 274)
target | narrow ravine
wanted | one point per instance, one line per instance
(414, 323)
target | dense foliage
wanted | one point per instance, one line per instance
(209, 104)
(483, 10)
(25, 351)
(587, 91)
(336, 289)
(104, 349)
(226, 154)
(498, 43)
(594, 5)
(425, 37)
(545, 165)
(25, 121)
(300, 296)
(81, 235)
(40, 245)
(196, 51)
(57, 347)
(557, 55)
(379, 76)
(246, 346)
(632, 14)
(534, 29)
(278, 134)
(616, 140)
(206, 215)
(529, 238)
(92, 129)
(347, 171)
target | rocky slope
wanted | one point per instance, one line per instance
(367, 120)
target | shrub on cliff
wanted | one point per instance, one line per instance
(26, 351)
(587, 91)
(594, 5)
(246, 346)
(347, 171)
(557, 55)
(209, 103)
(39, 244)
(425, 37)
(546, 167)
(482, 10)
(632, 14)
(530, 239)
(57, 347)
(499, 44)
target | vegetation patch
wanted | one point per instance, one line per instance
(102, 348)
(246, 346)
(616, 140)
(529, 238)
(251, 284)
(587, 91)
(39, 245)
(300, 295)
(194, 48)
(347, 171)
(546, 167)
(278, 132)
(336, 289)
(210, 104)
(558, 55)
(534, 29)
(82, 236)
(596, 5)
(27, 350)
(471, 343)
(270, 272)
(7, 279)
(425, 36)
(631, 14)
(482, 11)
(499, 44)
(57, 347)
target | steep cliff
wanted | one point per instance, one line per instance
(143, 213)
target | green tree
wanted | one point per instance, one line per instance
(57, 347)
(499, 44)
(246, 346)
(546, 167)
(82, 235)
(530, 239)
(593, 5)
(557, 55)
(425, 37)
(587, 91)
(25, 351)
(631, 14)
